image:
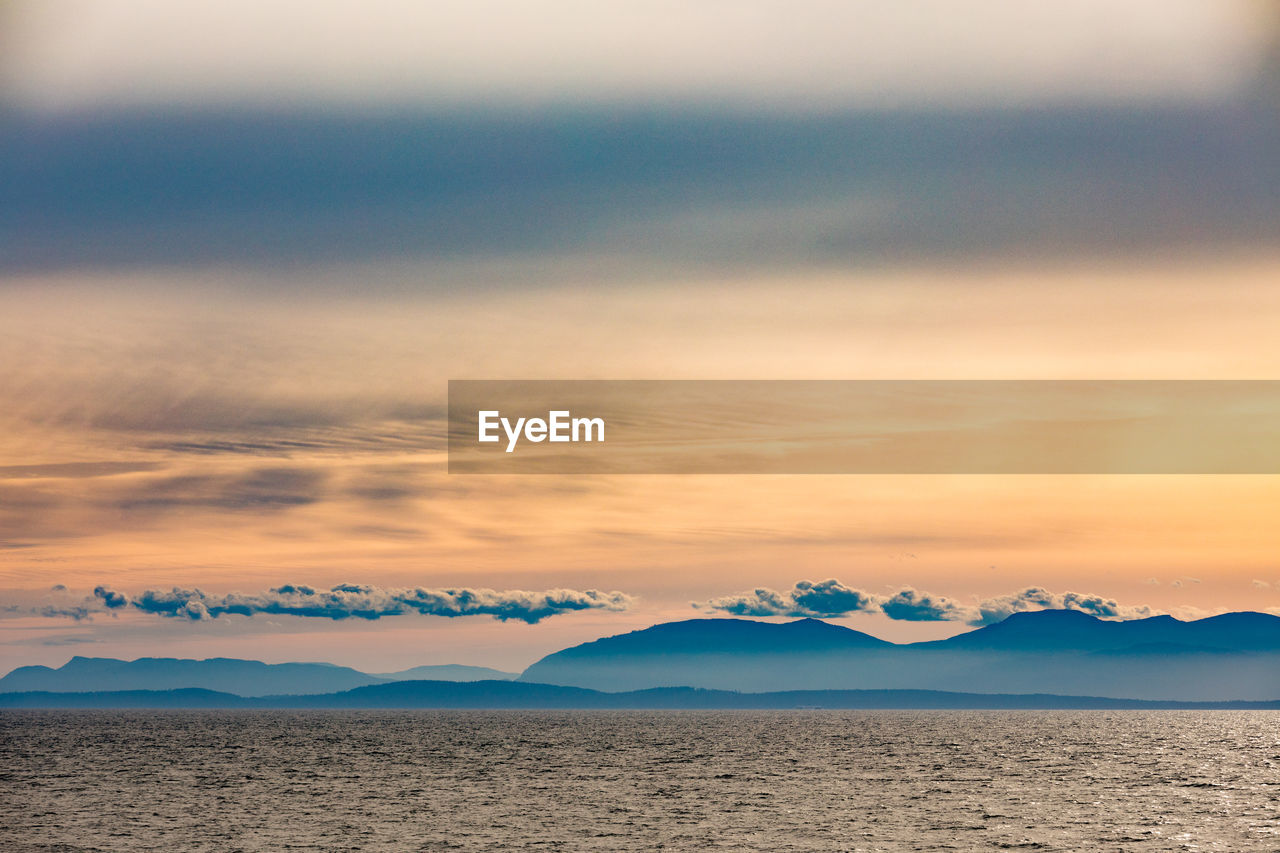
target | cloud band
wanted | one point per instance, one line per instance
(357, 601)
(831, 598)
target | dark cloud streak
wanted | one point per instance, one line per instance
(687, 185)
(259, 489)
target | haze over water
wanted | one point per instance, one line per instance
(797, 780)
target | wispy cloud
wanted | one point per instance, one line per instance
(831, 598)
(60, 602)
(258, 490)
(77, 470)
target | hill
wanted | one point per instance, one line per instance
(1052, 651)
(448, 672)
(1235, 656)
(228, 675)
(1071, 630)
(508, 695)
(241, 677)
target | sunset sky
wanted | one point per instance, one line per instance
(242, 251)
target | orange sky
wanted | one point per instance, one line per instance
(246, 246)
(254, 441)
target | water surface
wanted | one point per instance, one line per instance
(602, 780)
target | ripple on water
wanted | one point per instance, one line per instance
(589, 781)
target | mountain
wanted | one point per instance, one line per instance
(1071, 630)
(735, 654)
(520, 695)
(729, 636)
(186, 698)
(1233, 656)
(448, 672)
(241, 677)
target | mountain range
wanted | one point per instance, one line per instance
(1232, 656)
(239, 677)
(1062, 653)
(521, 695)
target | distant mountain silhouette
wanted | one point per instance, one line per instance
(1050, 651)
(187, 697)
(448, 672)
(733, 636)
(1071, 630)
(521, 695)
(1235, 656)
(735, 654)
(241, 677)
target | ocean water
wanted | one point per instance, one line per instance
(605, 781)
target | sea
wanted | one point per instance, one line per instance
(230, 781)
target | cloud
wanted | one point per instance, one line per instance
(71, 611)
(737, 191)
(66, 641)
(993, 610)
(58, 602)
(73, 470)
(831, 598)
(110, 600)
(757, 54)
(914, 606)
(261, 489)
(362, 601)
(825, 599)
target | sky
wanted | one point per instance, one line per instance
(243, 248)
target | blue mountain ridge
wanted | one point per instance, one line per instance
(1232, 656)
(230, 675)
(510, 695)
(728, 636)
(1060, 630)
(1049, 651)
(448, 672)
